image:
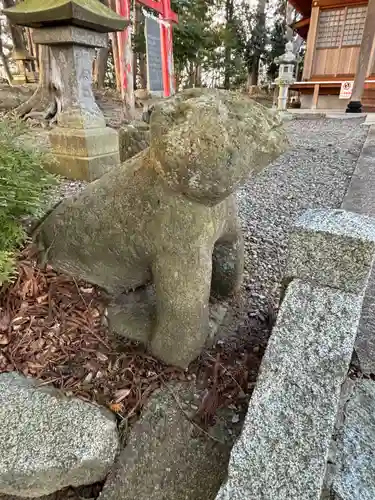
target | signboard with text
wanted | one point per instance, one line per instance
(154, 55)
(346, 90)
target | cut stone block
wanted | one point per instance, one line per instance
(355, 461)
(84, 142)
(365, 342)
(49, 441)
(167, 457)
(133, 138)
(84, 154)
(360, 198)
(57, 35)
(332, 248)
(282, 451)
(87, 169)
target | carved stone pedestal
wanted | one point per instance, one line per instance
(84, 147)
(84, 154)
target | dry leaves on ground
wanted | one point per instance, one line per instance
(51, 329)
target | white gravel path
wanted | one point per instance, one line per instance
(315, 173)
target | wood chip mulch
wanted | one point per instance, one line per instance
(51, 329)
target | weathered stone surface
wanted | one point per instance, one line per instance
(283, 448)
(144, 222)
(355, 460)
(86, 13)
(360, 198)
(365, 342)
(84, 148)
(134, 314)
(84, 168)
(334, 248)
(84, 142)
(133, 138)
(84, 154)
(346, 393)
(167, 457)
(225, 122)
(73, 67)
(69, 34)
(49, 441)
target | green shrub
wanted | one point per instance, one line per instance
(23, 182)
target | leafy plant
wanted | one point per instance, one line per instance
(23, 182)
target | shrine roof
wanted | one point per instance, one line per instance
(302, 6)
(89, 14)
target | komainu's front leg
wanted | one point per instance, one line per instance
(227, 264)
(182, 315)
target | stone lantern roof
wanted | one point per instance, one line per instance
(289, 56)
(90, 14)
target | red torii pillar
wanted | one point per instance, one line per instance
(167, 16)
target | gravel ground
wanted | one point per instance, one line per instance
(315, 173)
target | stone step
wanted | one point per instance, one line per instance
(283, 449)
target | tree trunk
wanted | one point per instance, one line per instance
(101, 67)
(47, 95)
(254, 76)
(260, 42)
(15, 31)
(4, 61)
(142, 71)
(101, 61)
(198, 74)
(228, 43)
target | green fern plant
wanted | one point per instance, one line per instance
(23, 183)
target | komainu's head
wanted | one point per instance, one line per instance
(206, 143)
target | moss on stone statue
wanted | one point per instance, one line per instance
(87, 13)
(167, 216)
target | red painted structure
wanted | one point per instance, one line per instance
(167, 17)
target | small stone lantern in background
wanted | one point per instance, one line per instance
(287, 63)
(72, 29)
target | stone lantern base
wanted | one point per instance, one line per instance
(84, 154)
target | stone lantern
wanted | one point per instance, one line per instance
(83, 146)
(287, 63)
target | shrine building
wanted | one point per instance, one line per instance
(333, 31)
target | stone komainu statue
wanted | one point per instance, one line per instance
(160, 232)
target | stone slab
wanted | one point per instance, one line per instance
(49, 441)
(282, 451)
(365, 342)
(333, 248)
(84, 142)
(58, 35)
(360, 198)
(355, 467)
(167, 457)
(85, 169)
(133, 138)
